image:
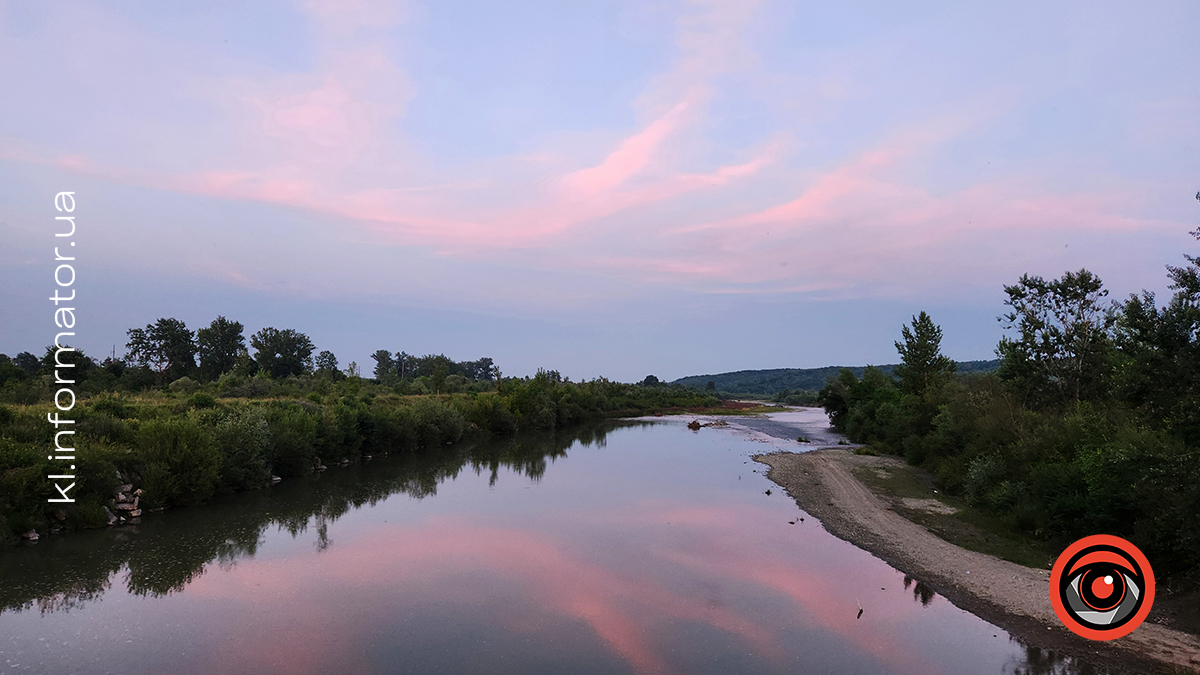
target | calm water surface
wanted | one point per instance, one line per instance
(634, 548)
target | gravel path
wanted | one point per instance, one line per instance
(1009, 595)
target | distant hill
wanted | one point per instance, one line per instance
(812, 379)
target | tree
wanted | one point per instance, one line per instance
(710, 386)
(441, 370)
(1186, 279)
(166, 346)
(27, 362)
(1159, 371)
(219, 346)
(1063, 346)
(327, 365)
(20, 367)
(404, 365)
(282, 352)
(923, 367)
(384, 365)
(483, 369)
(83, 367)
(834, 397)
(650, 381)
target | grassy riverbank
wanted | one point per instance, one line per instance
(181, 446)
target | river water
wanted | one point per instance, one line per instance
(639, 547)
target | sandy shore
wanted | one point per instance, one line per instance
(1009, 595)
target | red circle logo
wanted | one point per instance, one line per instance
(1102, 587)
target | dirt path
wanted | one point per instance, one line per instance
(1007, 594)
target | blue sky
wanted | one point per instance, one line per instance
(603, 188)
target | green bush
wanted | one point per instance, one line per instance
(180, 464)
(244, 440)
(184, 385)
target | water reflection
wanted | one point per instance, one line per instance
(921, 593)
(165, 554)
(652, 550)
(1037, 661)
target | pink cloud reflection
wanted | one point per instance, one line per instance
(625, 595)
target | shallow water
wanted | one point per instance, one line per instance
(631, 548)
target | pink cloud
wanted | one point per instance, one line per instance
(631, 156)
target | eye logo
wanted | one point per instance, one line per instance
(1102, 587)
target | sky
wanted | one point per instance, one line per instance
(607, 189)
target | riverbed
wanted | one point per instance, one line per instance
(634, 547)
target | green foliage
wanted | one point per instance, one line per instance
(179, 462)
(244, 438)
(923, 367)
(219, 346)
(1091, 425)
(800, 397)
(185, 442)
(491, 412)
(1062, 352)
(184, 385)
(769, 382)
(166, 346)
(326, 365)
(282, 353)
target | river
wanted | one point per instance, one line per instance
(632, 547)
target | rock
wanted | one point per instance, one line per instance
(128, 506)
(345, 461)
(275, 479)
(139, 492)
(366, 457)
(60, 515)
(31, 535)
(123, 497)
(112, 519)
(136, 513)
(125, 488)
(694, 425)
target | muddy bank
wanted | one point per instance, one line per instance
(1009, 595)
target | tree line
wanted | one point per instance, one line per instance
(1090, 425)
(167, 351)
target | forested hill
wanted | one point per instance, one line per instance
(775, 380)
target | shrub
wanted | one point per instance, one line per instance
(104, 426)
(436, 423)
(203, 399)
(109, 405)
(245, 441)
(179, 462)
(184, 385)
